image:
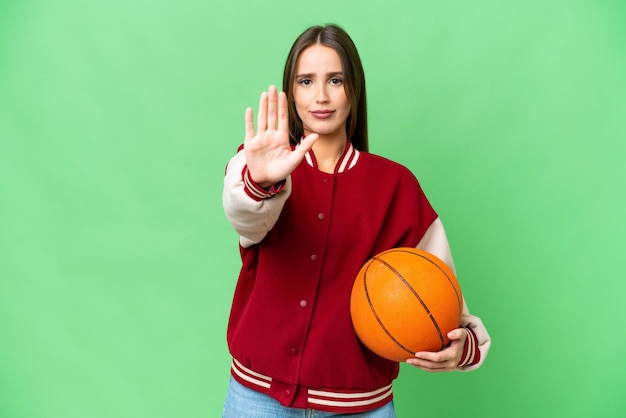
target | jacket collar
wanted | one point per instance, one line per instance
(348, 159)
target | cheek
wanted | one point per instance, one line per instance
(299, 102)
(345, 105)
(342, 100)
(299, 110)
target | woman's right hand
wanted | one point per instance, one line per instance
(269, 156)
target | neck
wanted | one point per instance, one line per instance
(327, 152)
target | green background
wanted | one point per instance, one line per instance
(117, 264)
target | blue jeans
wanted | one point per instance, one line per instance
(242, 402)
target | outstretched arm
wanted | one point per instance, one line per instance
(257, 181)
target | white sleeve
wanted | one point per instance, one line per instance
(483, 342)
(252, 218)
(435, 242)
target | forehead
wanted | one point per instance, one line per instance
(318, 59)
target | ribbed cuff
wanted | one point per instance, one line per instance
(257, 192)
(471, 353)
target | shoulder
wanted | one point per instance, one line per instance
(385, 167)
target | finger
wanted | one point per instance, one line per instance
(272, 108)
(283, 112)
(429, 366)
(439, 359)
(296, 156)
(458, 334)
(249, 124)
(425, 364)
(261, 122)
(306, 144)
(434, 357)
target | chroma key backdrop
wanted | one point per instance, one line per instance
(117, 264)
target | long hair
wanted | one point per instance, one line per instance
(354, 81)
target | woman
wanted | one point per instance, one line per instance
(311, 206)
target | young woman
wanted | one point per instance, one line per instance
(311, 206)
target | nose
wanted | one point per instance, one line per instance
(322, 95)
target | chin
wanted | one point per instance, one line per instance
(323, 130)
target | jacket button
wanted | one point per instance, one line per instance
(287, 393)
(294, 351)
(314, 257)
(303, 303)
(321, 216)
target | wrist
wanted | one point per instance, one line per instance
(471, 351)
(260, 191)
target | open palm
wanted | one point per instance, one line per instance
(269, 156)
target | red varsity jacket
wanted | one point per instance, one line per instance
(302, 244)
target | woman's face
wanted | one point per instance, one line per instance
(318, 92)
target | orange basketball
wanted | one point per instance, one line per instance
(403, 301)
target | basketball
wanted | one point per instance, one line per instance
(405, 300)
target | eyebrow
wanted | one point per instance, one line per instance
(310, 75)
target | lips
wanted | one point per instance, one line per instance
(322, 114)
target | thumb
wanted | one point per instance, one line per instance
(296, 156)
(457, 334)
(306, 143)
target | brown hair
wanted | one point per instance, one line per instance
(354, 81)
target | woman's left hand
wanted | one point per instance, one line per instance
(445, 360)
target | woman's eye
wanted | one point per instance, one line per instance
(336, 81)
(305, 82)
